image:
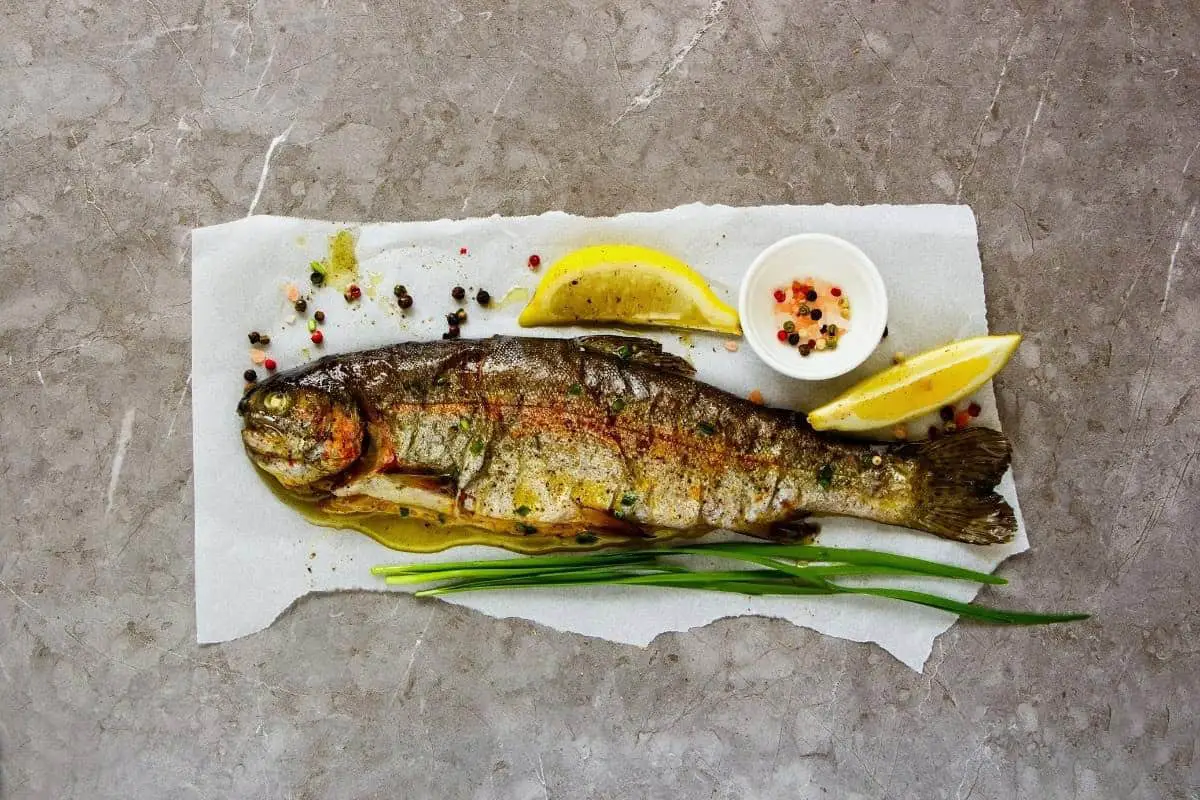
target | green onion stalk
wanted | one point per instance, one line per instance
(763, 569)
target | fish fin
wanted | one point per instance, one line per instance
(793, 531)
(637, 350)
(957, 501)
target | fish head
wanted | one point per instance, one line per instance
(301, 433)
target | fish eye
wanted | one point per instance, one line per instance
(277, 402)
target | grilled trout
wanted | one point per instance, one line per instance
(598, 434)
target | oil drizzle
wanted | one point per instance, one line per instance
(410, 535)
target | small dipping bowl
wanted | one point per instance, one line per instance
(823, 258)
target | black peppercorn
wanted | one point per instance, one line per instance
(458, 293)
(250, 375)
(405, 301)
(483, 298)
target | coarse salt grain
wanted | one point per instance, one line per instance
(257, 356)
(289, 319)
(731, 346)
(293, 293)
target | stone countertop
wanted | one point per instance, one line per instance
(1073, 130)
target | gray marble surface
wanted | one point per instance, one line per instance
(1073, 130)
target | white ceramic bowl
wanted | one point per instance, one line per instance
(823, 257)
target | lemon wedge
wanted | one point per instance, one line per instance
(627, 284)
(917, 386)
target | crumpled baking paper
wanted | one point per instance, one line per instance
(255, 556)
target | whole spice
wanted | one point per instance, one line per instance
(458, 293)
(316, 278)
(319, 316)
(405, 301)
(250, 375)
(270, 364)
(264, 340)
(254, 337)
(399, 290)
(483, 298)
(301, 306)
(534, 261)
(317, 337)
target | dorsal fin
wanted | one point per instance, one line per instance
(637, 350)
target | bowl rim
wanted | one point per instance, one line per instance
(810, 370)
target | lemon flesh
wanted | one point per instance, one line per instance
(627, 284)
(917, 386)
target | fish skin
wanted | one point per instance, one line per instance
(601, 433)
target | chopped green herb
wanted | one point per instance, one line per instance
(628, 499)
(476, 447)
(575, 390)
(464, 425)
(525, 529)
(617, 405)
(522, 511)
(624, 351)
(586, 537)
(317, 266)
(441, 519)
(403, 511)
(706, 428)
(825, 476)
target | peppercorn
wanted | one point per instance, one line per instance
(781, 335)
(316, 278)
(810, 295)
(301, 306)
(461, 315)
(270, 364)
(946, 413)
(399, 290)
(264, 340)
(815, 314)
(803, 309)
(789, 326)
(317, 337)
(483, 298)
(794, 339)
(836, 292)
(833, 330)
(452, 319)
(974, 409)
(312, 325)
(405, 301)
(254, 337)
(250, 375)
(454, 331)
(458, 293)
(805, 350)
(962, 419)
(534, 261)
(319, 316)
(779, 295)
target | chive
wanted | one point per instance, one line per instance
(317, 266)
(825, 476)
(706, 428)
(476, 447)
(628, 499)
(403, 511)
(624, 352)
(522, 511)
(575, 390)
(464, 425)
(778, 570)
(617, 405)
(525, 529)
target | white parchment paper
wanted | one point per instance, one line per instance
(255, 556)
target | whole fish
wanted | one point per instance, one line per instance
(598, 434)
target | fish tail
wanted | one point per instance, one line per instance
(956, 499)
